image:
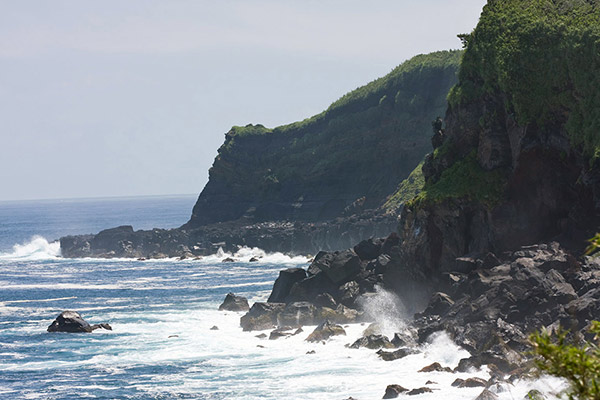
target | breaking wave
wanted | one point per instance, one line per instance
(38, 248)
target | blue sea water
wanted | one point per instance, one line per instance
(162, 311)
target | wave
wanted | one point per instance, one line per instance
(38, 248)
(245, 254)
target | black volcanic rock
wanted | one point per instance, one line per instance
(261, 316)
(234, 303)
(71, 321)
(283, 284)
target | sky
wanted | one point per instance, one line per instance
(126, 98)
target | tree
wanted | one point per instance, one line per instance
(578, 363)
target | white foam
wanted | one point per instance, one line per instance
(38, 248)
(244, 254)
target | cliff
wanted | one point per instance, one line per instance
(360, 148)
(519, 160)
(308, 186)
(490, 245)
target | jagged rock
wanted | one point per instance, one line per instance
(368, 249)
(283, 284)
(261, 316)
(486, 395)
(439, 304)
(234, 303)
(404, 338)
(372, 342)
(297, 314)
(419, 391)
(325, 300)
(279, 333)
(435, 367)
(393, 391)
(71, 321)
(344, 266)
(395, 355)
(348, 293)
(470, 383)
(324, 331)
(457, 382)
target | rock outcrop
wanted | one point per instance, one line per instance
(71, 321)
(234, 303)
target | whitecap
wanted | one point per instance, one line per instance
(38, 248)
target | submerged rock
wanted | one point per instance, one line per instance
(393, 391)
(395, 355)
(71, 321)
(234, 303)
(435, 367)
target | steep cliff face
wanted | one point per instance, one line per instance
(519, 164)
(360, 148)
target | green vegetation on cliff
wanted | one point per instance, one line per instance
(407, 190)
(363, 145)
(544, 57)
(464, 179)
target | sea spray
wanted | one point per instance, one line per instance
(38, 248)
(386, 310)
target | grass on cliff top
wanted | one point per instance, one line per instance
(544, 57)
(407, 190)
(465, 179)
(368, 95)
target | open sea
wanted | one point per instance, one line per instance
(162, 311)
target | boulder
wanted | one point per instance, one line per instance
(71, 321)
(283, 284)
(261, 316)
(393, 391)
(234, 303)
(420, 390)
(470, 383)
(324, 331)
(368, 249)
(435, 367)
(395, 355)
(486, 395)
(348, 293)
(372, 342)
(439, 304)
(297, 314)
(343, 267)
(325, 300)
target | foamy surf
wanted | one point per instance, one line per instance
(38, 248)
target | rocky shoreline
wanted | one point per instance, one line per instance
(293, 238)
(489, 304)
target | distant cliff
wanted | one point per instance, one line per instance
(357, 151)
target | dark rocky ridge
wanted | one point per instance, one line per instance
(280, 236)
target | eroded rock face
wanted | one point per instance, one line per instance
(71, 321)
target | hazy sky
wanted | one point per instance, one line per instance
(120, 98)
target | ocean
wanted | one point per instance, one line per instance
(163, 312)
